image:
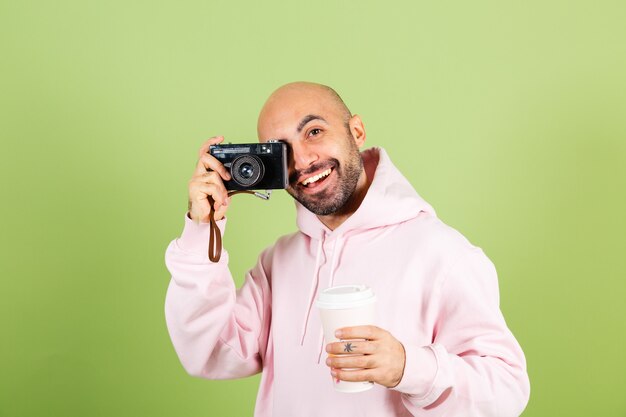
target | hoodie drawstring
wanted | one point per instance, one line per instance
(313, 291)
(337, 247)
(315, 281)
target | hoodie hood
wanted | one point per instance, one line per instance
(390, 199)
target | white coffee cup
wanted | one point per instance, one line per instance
(346, 306)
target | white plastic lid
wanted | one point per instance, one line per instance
(345, 296)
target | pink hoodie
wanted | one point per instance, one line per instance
(436, 293)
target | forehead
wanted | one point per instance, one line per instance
(283, 112)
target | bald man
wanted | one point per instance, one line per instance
(440, 346)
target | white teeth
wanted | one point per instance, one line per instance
(316, 177)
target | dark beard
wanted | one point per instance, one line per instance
(330, 201)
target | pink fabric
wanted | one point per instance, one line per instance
(436, 293)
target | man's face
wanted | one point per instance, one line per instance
(324, 160)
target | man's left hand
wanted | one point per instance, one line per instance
(380, 357)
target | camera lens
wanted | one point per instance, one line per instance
(247, 170)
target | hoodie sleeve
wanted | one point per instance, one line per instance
(217, 331)
(475, 367)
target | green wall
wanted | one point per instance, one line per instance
(508, 117)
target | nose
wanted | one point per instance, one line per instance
(303, 156)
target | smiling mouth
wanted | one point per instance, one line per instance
(311, 181)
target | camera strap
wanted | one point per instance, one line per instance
(215, 237)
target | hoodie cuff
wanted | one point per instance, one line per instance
(420, 372)
(195, 236)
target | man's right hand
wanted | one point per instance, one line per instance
(207, 181)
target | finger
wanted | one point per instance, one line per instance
(212, 141)
(208, 162)
(209, 177)
(351, 346)
(213, 180)
(360, 332)
(201, 211)
(356, 361)
(220, 213)
(199, 191)
(360, 375)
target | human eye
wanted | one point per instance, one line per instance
(314, 132)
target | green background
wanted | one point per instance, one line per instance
(508, 117)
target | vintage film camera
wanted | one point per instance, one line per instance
(254, 166)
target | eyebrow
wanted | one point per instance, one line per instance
(306, 119)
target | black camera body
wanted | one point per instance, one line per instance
(254, 166)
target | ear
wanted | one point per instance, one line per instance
(357, 130)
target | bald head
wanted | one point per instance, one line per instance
(325, 168)
(303, 97)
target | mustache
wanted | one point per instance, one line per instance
(320, 166)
